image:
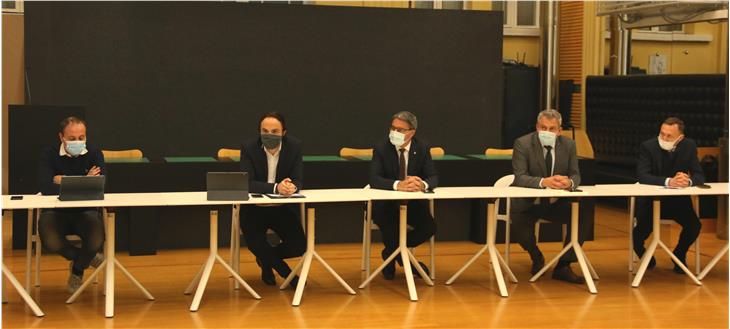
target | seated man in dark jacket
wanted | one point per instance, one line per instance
(72, 158)
(273, 161)
(669, 160)
(402, 163)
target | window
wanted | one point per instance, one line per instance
(520, 17)
(12, 6)
(679, 28)
(437, 4)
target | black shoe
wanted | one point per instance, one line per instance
(267, 275)
(389, 270)
(678, 269)
(537, 264)
(565, 273)
(652, 262)
(424, 267)
(294, 282)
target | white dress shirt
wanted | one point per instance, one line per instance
(406, 154)
(272, 161)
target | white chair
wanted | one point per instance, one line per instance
(369, 226)
(506, 181)
(632, 223)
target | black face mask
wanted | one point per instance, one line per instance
(270, 141)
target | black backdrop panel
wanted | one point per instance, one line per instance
(186, 78)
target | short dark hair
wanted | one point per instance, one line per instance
(675, 121)
(275, 115)
(72, 119)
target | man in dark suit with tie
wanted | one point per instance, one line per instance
(273, 161)
(669, 160)
(545, 159)
(403, 163)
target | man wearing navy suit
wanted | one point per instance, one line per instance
(668, 160)
(402, 163)
(273, 161)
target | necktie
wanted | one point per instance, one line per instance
(402, 165)
(549, 161)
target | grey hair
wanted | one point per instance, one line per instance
(550, 114)
(407, 117)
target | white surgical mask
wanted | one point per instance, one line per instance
(396, 138)
(547, 138)
(74, 148)
(667, 146)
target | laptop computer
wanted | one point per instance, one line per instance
(227, 186)
(82, 188)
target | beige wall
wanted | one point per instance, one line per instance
(684, 57)
(12, 80)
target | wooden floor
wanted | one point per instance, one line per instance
(664, 300)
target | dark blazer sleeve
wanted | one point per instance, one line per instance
(697, 175)
(296, 174)
(428, 170)
(644, 166)
(520, 158)
(46, 173)
(97, 159)
(574, 168)
(378, 178)
(256, 180)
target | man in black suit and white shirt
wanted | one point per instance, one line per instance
(273, 161)
(402, 163)
(545, 159)
(668, 160)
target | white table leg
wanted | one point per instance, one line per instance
(656, 223)
(713, 262)
(208, 266)
(574, 244)
(305, 264)
(23, 293)
(405, 255)
(494, 257)
(28, 249)
(110, 261)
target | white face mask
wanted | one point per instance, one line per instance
(547, 138)
(667, 146)
(396, 138)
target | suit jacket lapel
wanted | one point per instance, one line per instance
(284, 155)
(412, 158)
(537, 153)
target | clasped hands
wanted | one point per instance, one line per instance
(680, 179)
(286, 187)
(557, 182)
(411, 184)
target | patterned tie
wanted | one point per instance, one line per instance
(402, 165)
(549, 161)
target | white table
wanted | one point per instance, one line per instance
(302, 269)
(656, 192)
(110, 200)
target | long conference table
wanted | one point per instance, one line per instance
(313, 197)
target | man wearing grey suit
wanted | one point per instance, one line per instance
(545, 159)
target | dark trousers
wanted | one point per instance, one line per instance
(419, 218)
(677, 208)
(54, 226)
(523, 226)
(284, 222)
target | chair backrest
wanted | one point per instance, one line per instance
(505, 181)
(229, 153)
(132, 154)
(351, 152)
(437, 151)
(492, 151)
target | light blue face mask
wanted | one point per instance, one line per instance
(75, 148)
(547, 138)
(396, 138)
